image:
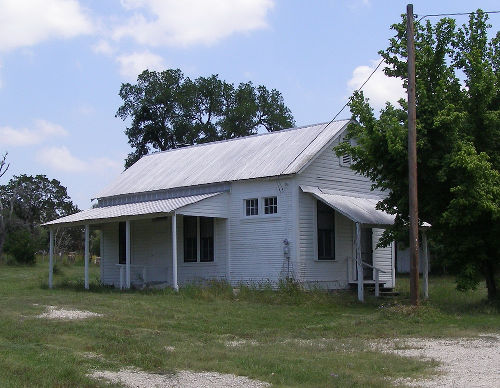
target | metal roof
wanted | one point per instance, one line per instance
(270, 154)
(358, 209)
(163, 206)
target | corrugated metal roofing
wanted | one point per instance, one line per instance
(358, 209)
(131, 209)
(271, 154)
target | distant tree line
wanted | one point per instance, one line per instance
(26, 202)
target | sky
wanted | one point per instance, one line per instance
(62, 63)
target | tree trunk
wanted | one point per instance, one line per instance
(489, 275)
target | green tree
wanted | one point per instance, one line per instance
(5, 213)
(168, 110)
(37, 199)
(34, 200)
(458, 140)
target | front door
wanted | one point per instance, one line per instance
(367, 252)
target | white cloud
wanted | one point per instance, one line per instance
(131, 65)
(103, 47)
(26, 23)
(380, 88)
(189, 22)
(24, 137)
(61, 159)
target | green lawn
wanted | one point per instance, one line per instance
(286, 337)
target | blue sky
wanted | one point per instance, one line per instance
(62, 63)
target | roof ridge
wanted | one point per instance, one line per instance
(241, 138)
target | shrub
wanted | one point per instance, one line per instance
(20, 244)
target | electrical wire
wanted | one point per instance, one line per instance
(382, 60)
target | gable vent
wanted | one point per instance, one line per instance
(345, 160)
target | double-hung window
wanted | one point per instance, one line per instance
(270, 205)
(198, 239)
(326, 231)
(252, 207)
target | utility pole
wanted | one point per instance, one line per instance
(412, 158)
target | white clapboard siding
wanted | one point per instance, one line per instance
(151, 247)
(257, 241)
(216, 206)
(198, 272)
(110, 271)
(326, 172)
(328, 274)
(382, 259)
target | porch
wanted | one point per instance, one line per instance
(155, 242)
(362, 268)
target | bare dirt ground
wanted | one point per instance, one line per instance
(185, 379)
(464, 362)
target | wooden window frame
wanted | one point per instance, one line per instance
(270, 205)
(251, 207)
(199, 259)
(316, 234)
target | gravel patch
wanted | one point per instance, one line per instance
(185, 379)
(240, 342)
(53, 312)
(464, 362)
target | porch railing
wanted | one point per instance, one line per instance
(352, 269)
(145, 269)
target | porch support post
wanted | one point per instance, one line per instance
(101, 254)
(51, 256)
(127, 254)
(425, 269)
(87, 256)
(359, 266)
(174, 252)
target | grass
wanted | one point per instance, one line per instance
(287, 337)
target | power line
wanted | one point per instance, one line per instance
(454, 14)
(382, 60)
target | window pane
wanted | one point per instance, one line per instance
(252, 207)
(326, 231)
(190, 239)
(206, 239)
(270, 205)
(122, 243)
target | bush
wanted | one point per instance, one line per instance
(20, 244)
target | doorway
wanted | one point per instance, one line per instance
(367, 252)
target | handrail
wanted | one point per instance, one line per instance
(368, 265)
(144, 271)
(371, 266)
(377, 273)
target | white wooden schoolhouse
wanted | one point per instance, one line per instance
(247, 210)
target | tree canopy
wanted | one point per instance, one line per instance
(458, 143)
(29, 201)
(168, 110)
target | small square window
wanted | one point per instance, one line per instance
(252, 207)
(270, 205)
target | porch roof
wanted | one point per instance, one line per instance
(358, 209)
(137, 209)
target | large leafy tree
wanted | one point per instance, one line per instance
(458, 143)
(168, 110)
(37, 199)
(33, 200)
